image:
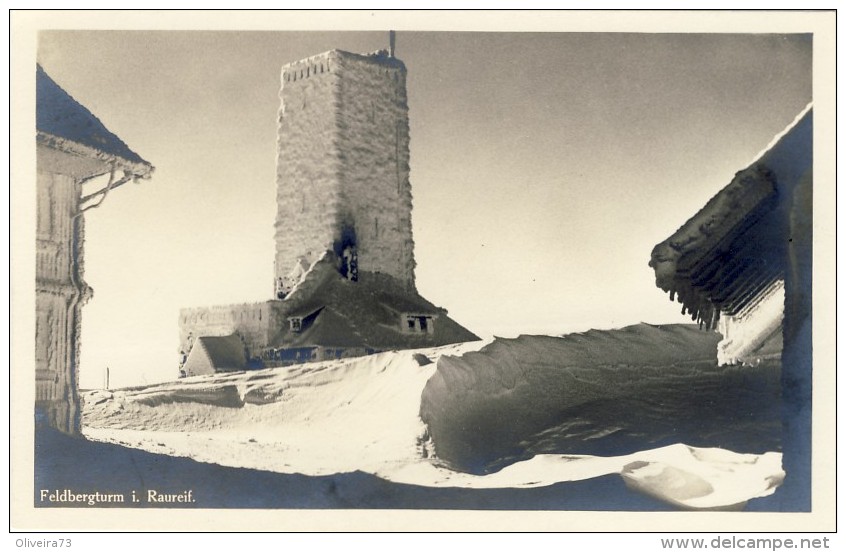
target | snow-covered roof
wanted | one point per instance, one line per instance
(65, 124)
(224, 352)
(365, 313)
(736, 245)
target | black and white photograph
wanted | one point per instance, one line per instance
(549, 263)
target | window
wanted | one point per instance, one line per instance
(419, 323)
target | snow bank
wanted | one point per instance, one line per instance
(605, 393)
(315, 419)
(687, 477)
(364, 414)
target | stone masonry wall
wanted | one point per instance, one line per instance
(256, 323)
(373, 137)
(308, 164)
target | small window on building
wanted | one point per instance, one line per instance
(296, 324)
(415, 323)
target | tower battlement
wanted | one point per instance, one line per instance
(319, 64)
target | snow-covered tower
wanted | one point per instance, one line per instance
(343, 168)
(344, 260)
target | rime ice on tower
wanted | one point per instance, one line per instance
(344, 260)
(342, 169)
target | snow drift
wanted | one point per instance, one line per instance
(600, 392)
(501, 417)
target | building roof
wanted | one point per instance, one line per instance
(331, 329)
(366, 313)
(64, 123)
(735, 247)
(225, 352)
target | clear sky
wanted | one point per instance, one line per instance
(544, 168)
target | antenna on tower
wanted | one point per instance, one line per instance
(393, 41)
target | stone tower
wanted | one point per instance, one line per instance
(343, 168)
(344, 261)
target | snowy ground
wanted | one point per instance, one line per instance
(363, 415)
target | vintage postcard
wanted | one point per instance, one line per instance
(521, 271)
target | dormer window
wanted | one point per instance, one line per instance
(419, 323)
(296, 324)
(302, 321)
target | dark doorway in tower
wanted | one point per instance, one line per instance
(345, 249)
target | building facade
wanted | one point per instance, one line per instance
(73, 149)
(744, 265)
